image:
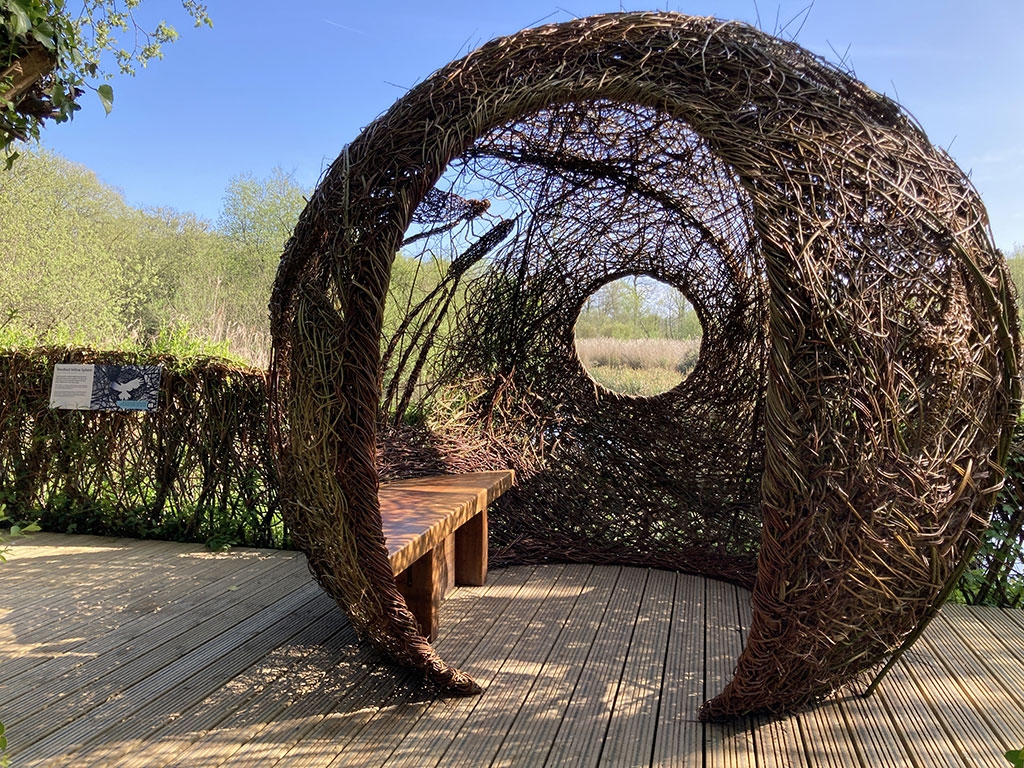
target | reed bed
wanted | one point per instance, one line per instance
(639, 354)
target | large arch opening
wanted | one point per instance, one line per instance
(520, 232)
(848, 418)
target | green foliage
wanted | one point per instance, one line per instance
(258, 215)
(59, 54)
(15, 530)
(198, 469)
(84, 268)
(1016, 757)
(996, 575)
(412, 280)
(638, 336)
(183, 347)
(638, 308)
(1015, 264)
(257, 218)
(56, 225)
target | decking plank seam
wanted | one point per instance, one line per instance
(582, 665)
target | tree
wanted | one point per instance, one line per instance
(48, 57)
(78, 259)
(260, 214)
(80, 265)
(55, 226)
(256, 220)
(637, 308)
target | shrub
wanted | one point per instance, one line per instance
(197, 469)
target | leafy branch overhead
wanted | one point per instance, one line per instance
(49, 57)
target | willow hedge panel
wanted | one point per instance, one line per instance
(996, 573)
(996, 576)
(197, 469)
(841, 438)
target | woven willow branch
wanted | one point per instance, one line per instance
(837, 446)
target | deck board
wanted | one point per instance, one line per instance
(777, 742)
(726, 745)
(483, 732)
(535, 728)
(414, 726)
(94, 640)
(870, 726)
(679, 739)
(580, 735)
(995, 643)
(629, 740)
(927, 741)
(460, 728)
(998, 707)
(135, 654)
(962, 725)
(44, 698)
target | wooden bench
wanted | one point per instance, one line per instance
(436, 532)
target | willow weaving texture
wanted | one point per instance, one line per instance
(839, 441)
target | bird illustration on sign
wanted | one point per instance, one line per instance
(124, 389)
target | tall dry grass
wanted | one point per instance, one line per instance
(639, 354)
(243, 342)
(639, 367)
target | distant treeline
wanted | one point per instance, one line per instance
(638, 308)
(78, 265)
(82, 266)
(1015, 261)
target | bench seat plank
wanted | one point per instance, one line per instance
(436, 533)
(420, 513)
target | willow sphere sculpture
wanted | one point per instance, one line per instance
(837, 445)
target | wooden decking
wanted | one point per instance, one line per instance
(128, 653)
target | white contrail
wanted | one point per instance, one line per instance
(347, 29)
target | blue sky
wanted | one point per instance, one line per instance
(288, 85)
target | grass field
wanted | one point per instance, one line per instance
(641, 367)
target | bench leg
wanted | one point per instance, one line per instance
(422, 585)
(471, 551)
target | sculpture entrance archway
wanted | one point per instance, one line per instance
(840, 440)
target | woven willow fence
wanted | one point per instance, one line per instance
(837, 445)
(41, 455)
(197, 469)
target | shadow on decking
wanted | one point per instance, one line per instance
(128, 653)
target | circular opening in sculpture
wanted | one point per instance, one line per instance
(859, 355)
(638, 336)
